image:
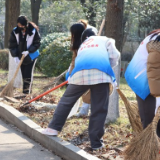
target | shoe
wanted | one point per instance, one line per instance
(83, 110)
(50, 132)
(99, 148)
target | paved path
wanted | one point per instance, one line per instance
(14, 145)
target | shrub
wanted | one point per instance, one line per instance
(50, 38)
(4, 59)
(55, 54)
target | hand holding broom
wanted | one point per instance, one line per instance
(8, 89)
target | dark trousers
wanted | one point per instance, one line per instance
(147, 111)
(27, 75)
(99, 109)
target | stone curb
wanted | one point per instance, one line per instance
(60, 147)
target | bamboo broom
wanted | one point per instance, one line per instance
(8, 89)
(146, 145)
(133, 113)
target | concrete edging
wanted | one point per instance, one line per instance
(55, 144)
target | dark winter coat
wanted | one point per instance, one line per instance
(30, 42)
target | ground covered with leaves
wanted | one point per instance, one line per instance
(117, 135)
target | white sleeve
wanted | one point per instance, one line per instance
(114, 54)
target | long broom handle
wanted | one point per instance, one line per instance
(101, 27)
(41, 95)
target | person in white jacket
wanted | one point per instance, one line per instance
(92, 71)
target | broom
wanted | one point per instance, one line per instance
(8, 89)
(146, 145)
(133, 113)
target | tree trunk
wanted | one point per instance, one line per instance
(35, 6)
(11, 15)
(114, 29)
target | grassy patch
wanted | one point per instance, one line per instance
(3, 71)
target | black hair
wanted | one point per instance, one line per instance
(157, 38)
(76, 32)
(22, 20)
(155, 33)
(87, 33)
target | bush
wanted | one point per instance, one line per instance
(50, 38)
(55, 54)
(4, 59)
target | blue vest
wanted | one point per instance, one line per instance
(137, 79)
(93, 60)
(136, 72)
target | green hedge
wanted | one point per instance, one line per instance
(55, 54)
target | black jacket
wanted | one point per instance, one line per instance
(16, 48)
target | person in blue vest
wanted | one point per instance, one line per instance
(92, 71)
(25, 40)
(142, 75)
(77, 29)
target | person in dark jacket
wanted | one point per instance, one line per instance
(25, 40)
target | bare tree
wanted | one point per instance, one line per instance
(114, 29)
(35, 7)
(11, 15)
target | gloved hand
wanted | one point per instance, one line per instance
(157, 103)
(114, 84)
(16, 59)
(25, 53)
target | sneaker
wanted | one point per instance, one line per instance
(99, 148)
(50, 132)
(83, 110)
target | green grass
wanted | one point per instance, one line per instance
(3, 71)
(127, 90)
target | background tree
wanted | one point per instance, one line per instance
(11, 15)
(90, 8)
(65, 13)
(35, 7)
(2, 17)
(114, 29)
(25, 9)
